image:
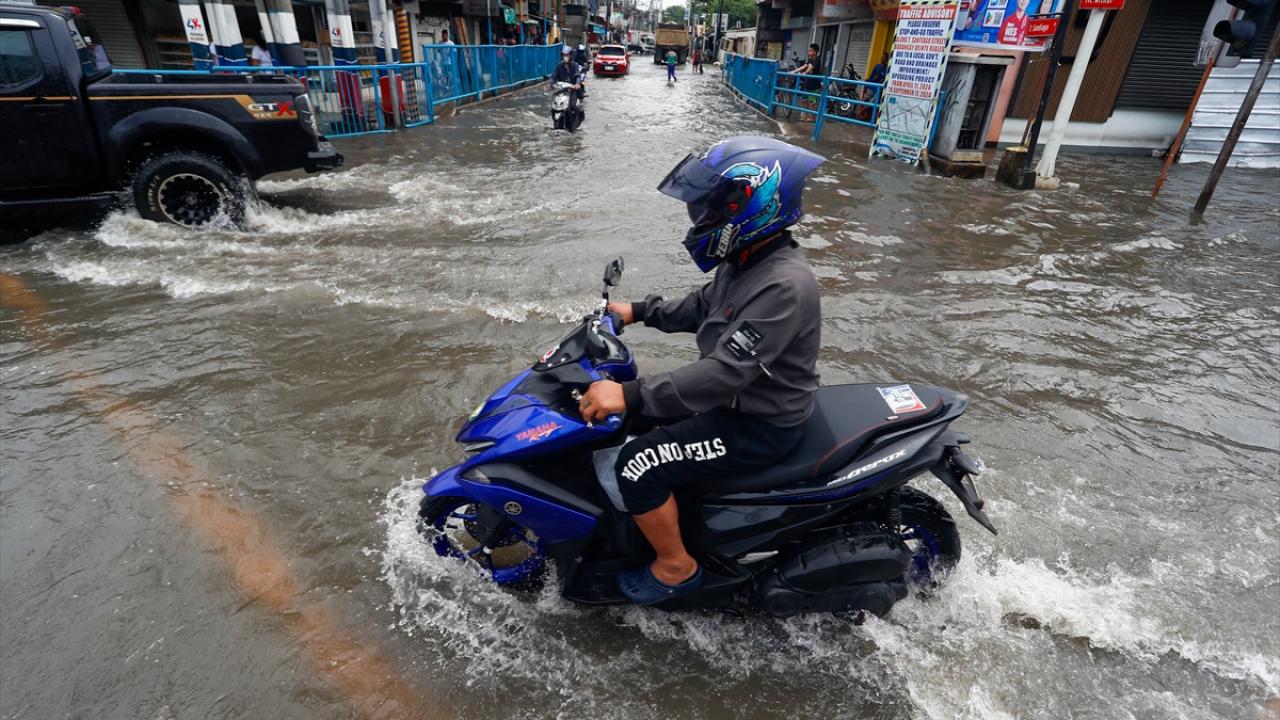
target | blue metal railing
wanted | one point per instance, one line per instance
(360, 99)
(752, 78)
(462, 72)
(822, 97)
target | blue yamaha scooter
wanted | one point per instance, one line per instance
(832, 527)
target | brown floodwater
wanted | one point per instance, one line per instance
(212, 443)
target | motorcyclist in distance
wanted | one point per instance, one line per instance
(569, 72)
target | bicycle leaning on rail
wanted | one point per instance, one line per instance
(785, 93)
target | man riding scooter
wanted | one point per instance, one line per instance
(570, 73)
(757, 326)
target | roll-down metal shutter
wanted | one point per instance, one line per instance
(112, 22)
(858, 49)
(1162, 72)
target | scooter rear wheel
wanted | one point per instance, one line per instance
(929, 531)
(454, 526)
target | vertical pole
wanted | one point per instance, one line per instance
(268, 33)
(1055, 56)
(719, 14)
(1176, 146)
(342, 45)
(226, 33)
(1062, 118)
(378, 21)
(388, 25)
(341, 37)
(285, 28)
(1237, 127)
(822, 109)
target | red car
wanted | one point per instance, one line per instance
(611, 60)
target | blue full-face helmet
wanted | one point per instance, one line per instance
(741, 190)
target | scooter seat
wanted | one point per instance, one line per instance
(845, 418)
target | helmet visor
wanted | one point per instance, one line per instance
(706, 215)
(690, 182)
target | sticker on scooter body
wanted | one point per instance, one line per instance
(901, 399)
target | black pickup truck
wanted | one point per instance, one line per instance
(189, 148)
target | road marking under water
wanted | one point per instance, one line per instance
(365, 677)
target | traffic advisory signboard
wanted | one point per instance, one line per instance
(915, 72)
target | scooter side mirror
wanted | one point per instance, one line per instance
(613, 272)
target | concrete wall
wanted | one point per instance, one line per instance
(1130, 132)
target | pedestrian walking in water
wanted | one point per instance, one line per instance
(697, 61)
(671, 66)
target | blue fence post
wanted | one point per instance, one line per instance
(377, 99)
(822, 108)
(773, 96)
(431, 99)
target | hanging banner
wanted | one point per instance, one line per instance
(915, 71)
(197, 35)
(1004, 24)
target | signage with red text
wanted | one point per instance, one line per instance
(1101, 4)
(1042, 27)
(1004, 24)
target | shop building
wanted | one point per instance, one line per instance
(1137, 88)
(155, 33)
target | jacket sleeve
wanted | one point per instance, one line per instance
(772, 316)
(672, 316)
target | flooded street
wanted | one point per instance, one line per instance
(212, 443)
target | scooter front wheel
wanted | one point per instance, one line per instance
(455, 527)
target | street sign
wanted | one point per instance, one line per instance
(1042, 26)
(1101, 4)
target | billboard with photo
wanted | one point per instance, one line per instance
(1002, 24)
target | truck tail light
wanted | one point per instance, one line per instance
(302, 106)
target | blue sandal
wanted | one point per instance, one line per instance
(642, 588)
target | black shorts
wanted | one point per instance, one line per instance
(710, 446)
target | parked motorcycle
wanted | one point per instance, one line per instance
(564, 117)
(832, 527)
(841, 94)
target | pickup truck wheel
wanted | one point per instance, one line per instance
(190, 189)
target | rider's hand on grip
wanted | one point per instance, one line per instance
(602, 399)
(624, 311)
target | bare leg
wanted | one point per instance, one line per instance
(661, 527)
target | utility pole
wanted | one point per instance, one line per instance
(1061, 119)
(1055, 59)
(1237, 127)
(1015, 171)
(1176, 146)
(715, 50)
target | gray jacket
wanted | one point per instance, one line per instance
(758, 331)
